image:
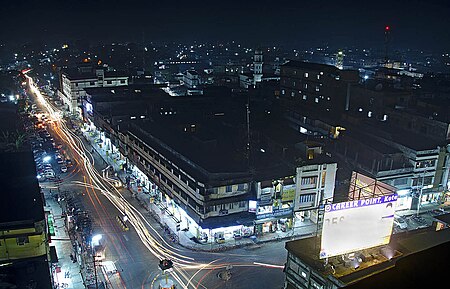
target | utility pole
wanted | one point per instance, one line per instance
(420, 194)
(95, 270)
(248, 131)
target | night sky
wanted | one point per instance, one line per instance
(415, 23)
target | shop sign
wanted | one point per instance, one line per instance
(276, 214)
(288, 195)
(252, 206)
(265, 199)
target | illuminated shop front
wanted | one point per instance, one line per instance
(204, 235)
(405, 200)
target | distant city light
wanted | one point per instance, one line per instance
(387, 28)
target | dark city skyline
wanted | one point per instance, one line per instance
(414, 24)
(224, 144)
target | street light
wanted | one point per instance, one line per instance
(95, 242)
(421, 190)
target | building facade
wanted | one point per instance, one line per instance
(74, 81)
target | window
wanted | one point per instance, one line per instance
(318, 76)
(92, 83)
(109, 82)
(317, 88)
(292, 94)
(309, 180)
(317, 100)
(306, 86)
(282, 92)
(122, 81)
(307, 198)
(22, 240)
(306, 74)
(304, 97)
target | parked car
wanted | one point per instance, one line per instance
(63, 169)
(49, 174)
(49, 171)
(437, 212)
(400, 222)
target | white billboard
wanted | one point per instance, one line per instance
(356, 225)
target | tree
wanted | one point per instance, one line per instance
(12, 141)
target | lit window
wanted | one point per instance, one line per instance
(318, 76)
(317, 100)
(306, 74)
(317, 88)
(304, 97)
(283, 92)
(292, 94)
(306, 86)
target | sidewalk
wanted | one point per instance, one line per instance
(67, 273)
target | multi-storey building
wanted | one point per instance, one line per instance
(24, 248)
(416, 166)
(191, 155)
(74, 81)
(315, 85)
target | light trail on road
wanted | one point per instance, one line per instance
(95, 183)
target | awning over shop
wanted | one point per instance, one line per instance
(241, 219)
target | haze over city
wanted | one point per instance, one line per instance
(224, 144)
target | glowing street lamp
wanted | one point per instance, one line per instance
(96, 240)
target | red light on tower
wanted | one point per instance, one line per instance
(387, 28)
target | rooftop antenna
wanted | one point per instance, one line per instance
(143, 50)
(387, 38)
(248, 130)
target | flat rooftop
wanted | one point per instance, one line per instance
(401, 245)
(20, 193)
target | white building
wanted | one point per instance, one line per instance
(74, 81)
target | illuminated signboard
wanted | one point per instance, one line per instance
(252, 206)
(357, 225)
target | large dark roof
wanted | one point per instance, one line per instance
(310, 66)
(424, 250)
(20, 193)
